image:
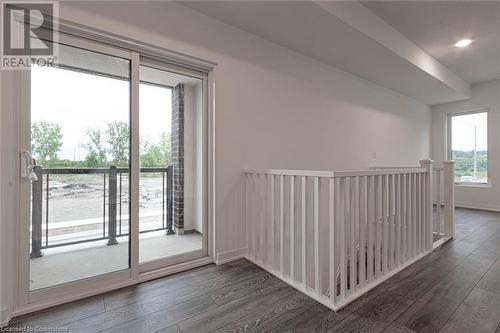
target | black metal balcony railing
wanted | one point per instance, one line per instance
(113, 227)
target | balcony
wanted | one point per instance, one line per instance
(80, 222)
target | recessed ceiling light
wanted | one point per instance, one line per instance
(463, 43)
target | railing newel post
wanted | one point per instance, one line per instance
(36, 214)
(170, 230)
(449, 197)
(429, 202)
(112, 191)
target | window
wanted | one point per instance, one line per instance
(469, 147)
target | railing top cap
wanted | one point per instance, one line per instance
(97, 170)
(335, 174)
(305, 173)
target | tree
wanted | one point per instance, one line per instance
(46, 141)
(96, 150)
(156, 155)
(150, 155)
(164, 147)
(464, 164)
(118, 141)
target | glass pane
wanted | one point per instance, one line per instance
(170, 118)
(80, 111)
(470, 147)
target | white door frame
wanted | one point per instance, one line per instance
(31, 301)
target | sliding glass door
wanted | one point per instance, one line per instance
(113, 169)
(80, 138)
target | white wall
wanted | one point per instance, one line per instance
(484, 95)
(274, 108)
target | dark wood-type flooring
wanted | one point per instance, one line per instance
(454, 289)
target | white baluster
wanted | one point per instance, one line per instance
(378, 219)
(357, 232)
(372, 218)
(385, 215)
(343, 270)
(414, 214)
(304, 232)
(352, 229)
(263, 219)
(292, 228)
(271, 252)
(257, 217)
(391, 222)
(331, 214)
(317, 284)
(282, 225)
(438, 203)
(248, 213)
(407, 192)
(363, 225)
(418, 203)
(398, 195)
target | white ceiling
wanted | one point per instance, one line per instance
(341, 34)
(436, 25)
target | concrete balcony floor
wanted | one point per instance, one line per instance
(70, 263)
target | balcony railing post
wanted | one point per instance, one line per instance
(170, 230)
(36, 214)
(112, 190)
(449, 198)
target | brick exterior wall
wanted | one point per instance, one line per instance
(177, 151)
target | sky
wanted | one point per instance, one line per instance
(77, 101)
(463, 131)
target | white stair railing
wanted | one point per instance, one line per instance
(336, 235)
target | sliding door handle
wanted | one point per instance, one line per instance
(27, 166)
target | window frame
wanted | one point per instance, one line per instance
(449, 143)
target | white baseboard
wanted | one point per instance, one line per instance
(493, 208)
(231, 255)
(4, 317)
(440, 242)
(351, 297)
